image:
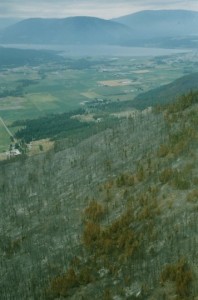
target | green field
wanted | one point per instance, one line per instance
(30, 92)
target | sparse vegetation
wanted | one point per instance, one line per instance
(61, 284)
(181, 275)
(94, 212)
(193, 196)
(166, 175)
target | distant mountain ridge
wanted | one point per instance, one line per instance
(72, 30)
(5, 22)
(161, 28)
(161, 23)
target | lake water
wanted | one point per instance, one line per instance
(100, 50)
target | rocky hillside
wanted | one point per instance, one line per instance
(113, 217)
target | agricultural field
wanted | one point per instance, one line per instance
(28, 92)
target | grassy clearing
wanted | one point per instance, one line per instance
(4, 139)
(11, 103)
(40, 146)
(91, 95)
(116, 82)
(42, 101)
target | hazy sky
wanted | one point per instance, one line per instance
(99, 8)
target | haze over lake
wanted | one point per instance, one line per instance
(100, 50)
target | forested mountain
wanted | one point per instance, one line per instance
(161, 23)
(72, 30)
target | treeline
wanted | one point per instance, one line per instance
(17, 57)
(18, 91)
(50, 126)
(86, 63)
(11, 57)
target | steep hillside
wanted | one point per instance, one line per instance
(167, 93)
(114, 217)
(72, 30)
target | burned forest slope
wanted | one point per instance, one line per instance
(112, 217)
